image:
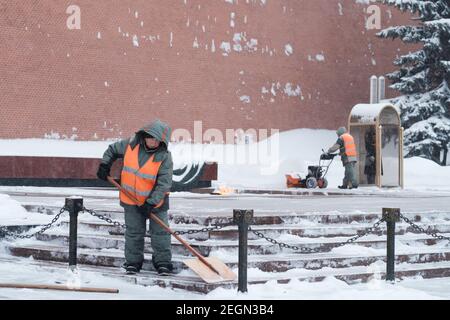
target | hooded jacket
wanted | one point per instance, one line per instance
(161, 132)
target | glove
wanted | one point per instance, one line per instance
(146, 208)
(103, 171)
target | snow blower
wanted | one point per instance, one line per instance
(316, 174)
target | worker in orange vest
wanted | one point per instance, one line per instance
(347, 150)
(147, 176)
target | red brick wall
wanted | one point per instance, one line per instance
(52, 80)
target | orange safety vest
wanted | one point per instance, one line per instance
(138, 181)
(349, 145)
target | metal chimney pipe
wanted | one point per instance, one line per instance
(373, 89)
(381, 88)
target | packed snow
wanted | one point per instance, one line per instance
(26, 271)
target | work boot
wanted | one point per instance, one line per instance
(132, 268)
(164, 269)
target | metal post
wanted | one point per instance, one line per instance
(243, 219)
(73, 205)
(391, 215)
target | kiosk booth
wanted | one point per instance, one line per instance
(378, 136)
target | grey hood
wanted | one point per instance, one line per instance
(159, 130)
(341, 131)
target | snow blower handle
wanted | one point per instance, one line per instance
(327, 156)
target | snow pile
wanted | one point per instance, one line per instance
(12, 213)
(293, 151)
(298, 149)
(421, 173)
(330, 288)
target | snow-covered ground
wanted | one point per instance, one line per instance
(24, 271)
(293, 151)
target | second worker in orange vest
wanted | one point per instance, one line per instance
(347, 150)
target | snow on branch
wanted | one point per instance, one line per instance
(409, 34)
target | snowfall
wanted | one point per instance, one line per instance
(239, 168)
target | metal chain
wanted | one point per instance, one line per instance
(363, 233)
(420, 229)
(371, 229)
(29, 236)
(217, 226)
(103, 217)
(116, 223)
(284, 245)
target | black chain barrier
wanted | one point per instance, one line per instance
(231, 222)
(103, 217)
(420, 229)
(361, 234)
(119, 224)
(29, 236)
(216, 226)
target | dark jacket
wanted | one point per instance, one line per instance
(162, 132)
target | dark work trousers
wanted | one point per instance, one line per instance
(350, 175)
(135, 222)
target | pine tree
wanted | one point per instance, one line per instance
(424, 77)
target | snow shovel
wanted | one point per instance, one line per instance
(211, 269)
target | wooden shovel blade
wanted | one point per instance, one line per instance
(208, 275)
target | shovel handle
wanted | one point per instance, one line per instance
(118, 186)
(166, 228)
(56, 287)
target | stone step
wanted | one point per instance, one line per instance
(273, 217)
(322, 231)
(193, 283)
(206, 218)
(267, 263)
(259, 246)
(272, 231)
(277, 218)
